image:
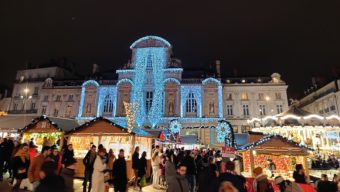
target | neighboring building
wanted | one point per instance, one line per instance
(28, 85)
(166, 94)
(324, 101)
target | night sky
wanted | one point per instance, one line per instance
(299, 39)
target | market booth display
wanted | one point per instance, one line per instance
(284, 153)
(111, 136)
(40, 128)
(318, 132)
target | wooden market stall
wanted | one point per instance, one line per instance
(39, 128)
(111, 136)
(283, 152)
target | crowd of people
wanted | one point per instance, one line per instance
(173, 170)
(325, 163)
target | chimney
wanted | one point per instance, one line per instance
(218, 68)
(95, 68)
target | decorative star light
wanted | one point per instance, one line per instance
(224, 130)
(175, 126)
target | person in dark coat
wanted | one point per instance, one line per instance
(2, 158)
(8, 153)
(50, 181)
(189, 162)
(68, 155)
(299, 174)
(67, 173)
(21, 163)
(88, 162)
(142, 166)
(135, 160)
(209, 175)
(238, 181)
(325, 185)
(119, 173)
(179, 182)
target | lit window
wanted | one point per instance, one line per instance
(191, 104)
(148, 101)
(244, 96)
(108, 104)
(262, 110)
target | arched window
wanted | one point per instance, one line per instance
(108, 104)
(149, 62)
(191, 103)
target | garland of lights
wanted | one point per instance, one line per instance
(158, 56)
(175, 126)
(269, 137)
(224, 131)
(131, 109)
(138, 83)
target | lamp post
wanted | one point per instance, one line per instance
(25, 97)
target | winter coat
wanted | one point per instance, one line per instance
(135, 159)
(68, 158)
(67, 175)
(299, 178)
(189, 162)
(326, 186)
(170, 169)
(34, 169)
(175, 183)
(142, 165)
(237, 180)
(87, 161)
(20, 168)
(208, 179)
(51, 183)
(261, 183)
(119, 174)
(98, 181)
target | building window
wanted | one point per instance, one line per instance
(191, 104)
(332, 108)
(15, 107)
(326, 110)
(43, 110)
(245, 110)
(261, 96)
(58, 98)
(244, 96)
(70, 98)
(229, 96)
(278, 96)
(148, 101)
(262, 110)
(55, 112)
(68, 111)
(88, 108)
(108, 104)
(36, 90)
(149, 62)
(46, 98)
(32, 106)
(230, 110)
(279, 109)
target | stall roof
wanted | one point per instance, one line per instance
(65, 124)
(276, 144)
(293, 110)
(241, 138)
(119, 129)
(15, 121)
(36, 120)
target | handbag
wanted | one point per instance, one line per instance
(142, 182)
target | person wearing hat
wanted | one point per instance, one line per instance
(261, 183)
(286, 185)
